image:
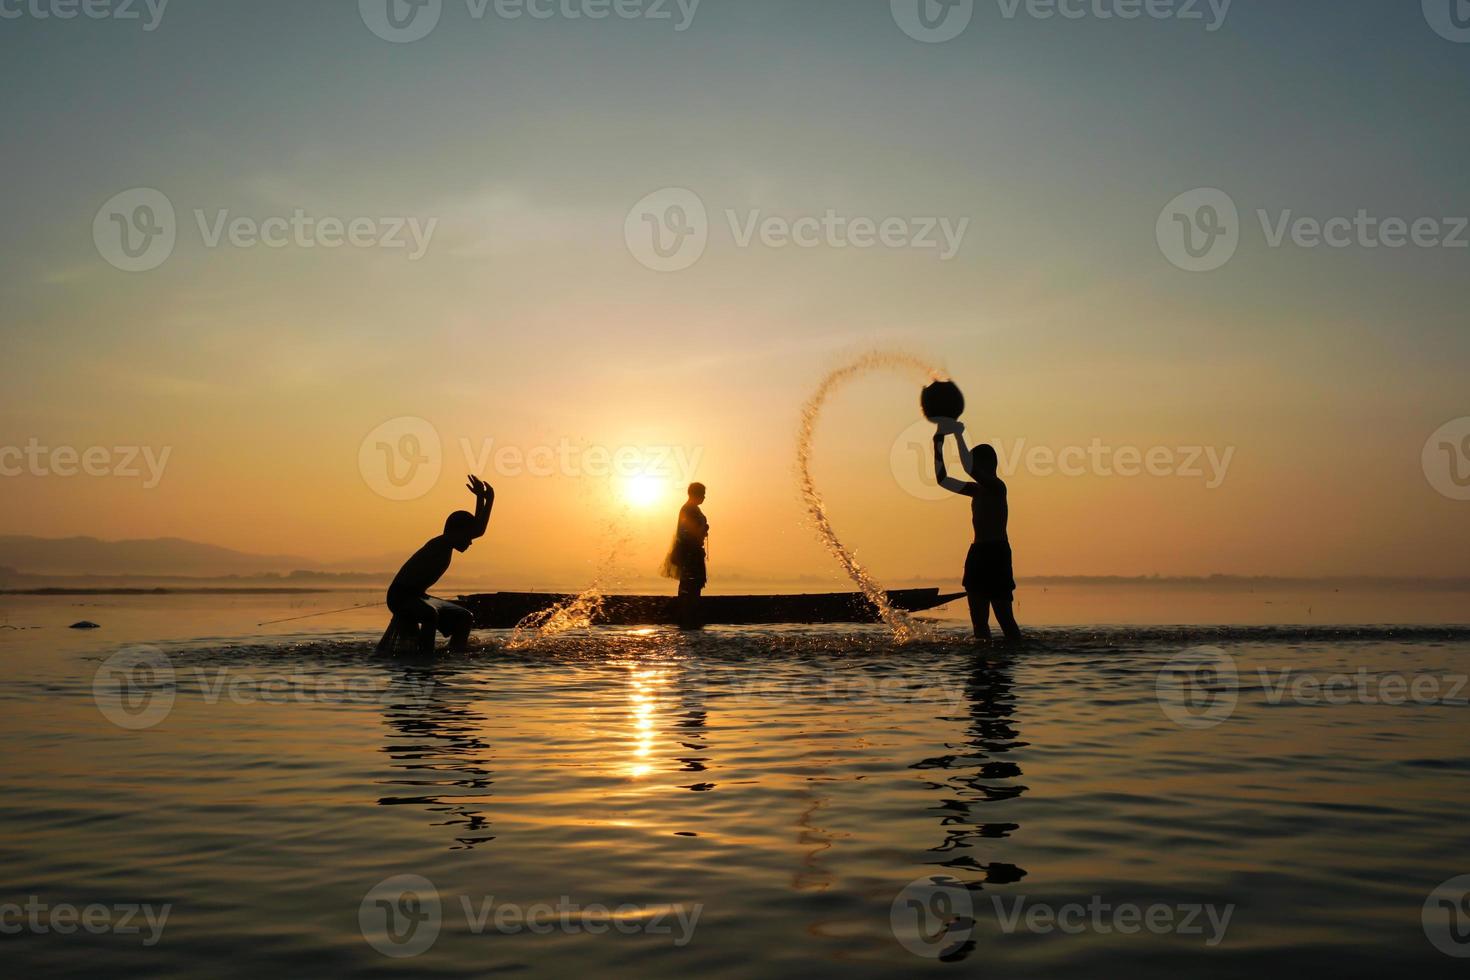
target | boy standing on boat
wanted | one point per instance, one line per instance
(989, 577)
(408, 597)
(687, 557)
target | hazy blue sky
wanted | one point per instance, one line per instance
(529, 318)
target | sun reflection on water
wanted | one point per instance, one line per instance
(645, 686)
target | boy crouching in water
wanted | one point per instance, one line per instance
(408, 596)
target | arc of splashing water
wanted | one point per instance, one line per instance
(903, 626)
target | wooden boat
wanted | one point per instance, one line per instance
(503, 610)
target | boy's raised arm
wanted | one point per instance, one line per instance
(967, 459)
(941, 472)
(484, 503)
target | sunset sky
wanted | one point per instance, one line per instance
(1318, 372)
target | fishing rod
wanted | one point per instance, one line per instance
(324, 612)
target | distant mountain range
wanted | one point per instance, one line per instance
(146, 557)
(25, 560)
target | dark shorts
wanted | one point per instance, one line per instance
(988, 571)
(448, 617)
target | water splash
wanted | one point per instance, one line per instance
(904, 627)
(579, 611)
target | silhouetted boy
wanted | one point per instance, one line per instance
(989, 577)
(408, 597)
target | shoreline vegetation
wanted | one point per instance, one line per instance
(87, 585)
(161, 591)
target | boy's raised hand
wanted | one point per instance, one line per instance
(944, 427)
(480, 488)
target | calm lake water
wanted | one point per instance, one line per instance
(1108, 801)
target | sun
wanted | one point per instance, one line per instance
(644, 491)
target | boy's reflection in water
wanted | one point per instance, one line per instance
(978, 780)
(440, 749)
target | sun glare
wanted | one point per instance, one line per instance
(644, 491)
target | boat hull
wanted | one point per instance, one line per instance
(504, 610)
